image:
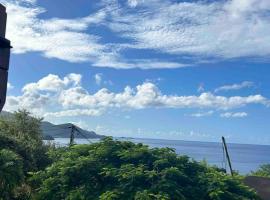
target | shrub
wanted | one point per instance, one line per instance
(124, 170)
(263, 171)
(11, 173)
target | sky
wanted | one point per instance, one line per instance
(165, 69)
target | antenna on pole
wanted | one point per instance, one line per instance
(4, 56)
(227, 154)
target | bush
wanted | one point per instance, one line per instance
(124, 170)
(21, 151)
(11, 173)
(263, 171)
(22, 135)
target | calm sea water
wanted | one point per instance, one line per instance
(245, 158)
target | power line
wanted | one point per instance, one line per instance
(85, 137)
(74, 129)
(72, 136)
(53, 129)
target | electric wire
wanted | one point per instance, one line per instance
(65, 128)
(82, 134)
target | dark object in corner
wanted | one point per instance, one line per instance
(4, 43)
(260, 184)
(4, 56)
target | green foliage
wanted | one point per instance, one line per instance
(263, 171)
(221, 186)
(147, 195)
(124, 170)
(11, 173)
(21, 151)
(108, 170)
(22, 126)
(22, 135)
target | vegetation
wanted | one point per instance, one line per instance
(263, 171)
(108, 170)
(21, 151)
(11, 172)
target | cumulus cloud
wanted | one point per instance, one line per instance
(72, 99)
(40, 95)
(53, 83)
(245, 84)
(234, 115)
(33, 101)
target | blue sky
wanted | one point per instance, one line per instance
(191, 70)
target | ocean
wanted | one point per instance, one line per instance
(245, 157)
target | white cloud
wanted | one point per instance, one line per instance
(54, 38)
(234, 115)
(9, 86)
(67, 97)
(196, 30)
(245, 84)
(33, 101)
(37, 97)
(53, 83)
(201, 88)
(67, 39)
(202, 114)
(148, 95)
(74, 113)
(98, 78)
(118, 63)
(222, 29)
(133, 3)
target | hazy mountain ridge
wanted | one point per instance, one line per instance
(61, 130)
(64, 131)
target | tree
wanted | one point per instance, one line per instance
(21, 134)
(124, 170)
(11, 173)
(22, 152)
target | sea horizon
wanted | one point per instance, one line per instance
(245, 157)
(147, 138)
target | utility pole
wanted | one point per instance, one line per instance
(4, 56)
(72, 134)
(71, 142)
(227, 154)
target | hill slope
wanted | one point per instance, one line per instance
(59, 131)
(64, 131)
